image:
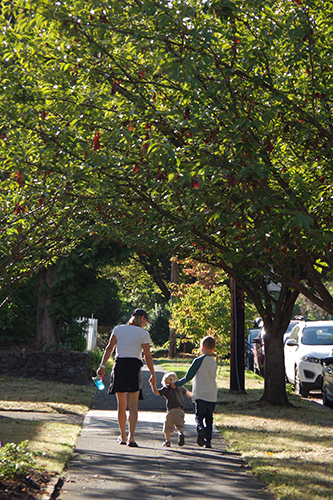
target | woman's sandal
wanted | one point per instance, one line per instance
(120, 441)
(132, 444)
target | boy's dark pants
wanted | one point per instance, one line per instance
(204, 412)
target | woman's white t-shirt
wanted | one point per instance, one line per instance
(130, 340)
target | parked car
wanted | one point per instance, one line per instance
(259, 347)
(259, 353)
(291, 325)
(308, 343)
(327, 385)
(249, 344)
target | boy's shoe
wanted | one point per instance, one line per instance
(207, 444)
(167, 444)
(201, 437)
(181, 439)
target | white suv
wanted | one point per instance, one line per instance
(307, 344)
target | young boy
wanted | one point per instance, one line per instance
(204, 389)
(175, 416)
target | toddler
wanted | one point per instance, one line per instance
(175, 415)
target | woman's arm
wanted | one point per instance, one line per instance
(107, 353)
(154, 389)
(150, 363)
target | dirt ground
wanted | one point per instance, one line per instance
(32, 486)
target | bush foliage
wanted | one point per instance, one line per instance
(159, 324)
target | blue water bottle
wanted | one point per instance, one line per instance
(98, 383)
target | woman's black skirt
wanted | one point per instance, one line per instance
(126, 376)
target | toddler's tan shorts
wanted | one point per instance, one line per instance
(174, 418)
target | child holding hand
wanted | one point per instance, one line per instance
(204, 388)
(175, 415)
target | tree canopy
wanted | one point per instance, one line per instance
(200, 128)
(202, 308)
(208, 123)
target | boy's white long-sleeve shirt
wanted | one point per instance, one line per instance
(203, 373)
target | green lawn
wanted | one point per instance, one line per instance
(54, 440)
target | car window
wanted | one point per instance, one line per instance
(317, 336)
(294, 334)
(253, 335)
(291, 326)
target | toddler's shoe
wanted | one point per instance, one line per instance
(201, 437)
(181, 439)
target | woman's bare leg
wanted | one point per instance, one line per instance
(122, 405)
(133, 398)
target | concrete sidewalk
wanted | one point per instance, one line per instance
(101, 468)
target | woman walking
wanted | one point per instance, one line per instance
(129, 340)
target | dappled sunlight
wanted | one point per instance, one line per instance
(290, 448)
(313, 479)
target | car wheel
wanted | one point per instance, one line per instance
(298, 386)
(326, 401)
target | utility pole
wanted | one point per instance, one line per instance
(172, 333)
(237, 338)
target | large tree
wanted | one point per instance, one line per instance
(72, 288)
(203, 128)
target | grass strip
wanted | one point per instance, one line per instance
(44, 396)
(53, 440)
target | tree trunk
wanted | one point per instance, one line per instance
(237, 337)
(275, 388)
(172, 344)
(47, 331)
(276, 321)
(172, 334)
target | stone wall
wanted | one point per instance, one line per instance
(60, 366)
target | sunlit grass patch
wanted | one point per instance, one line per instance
(52, 440)
(179, 366)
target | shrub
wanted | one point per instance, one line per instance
(159, 324)
(97, 358)
(15, 459)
